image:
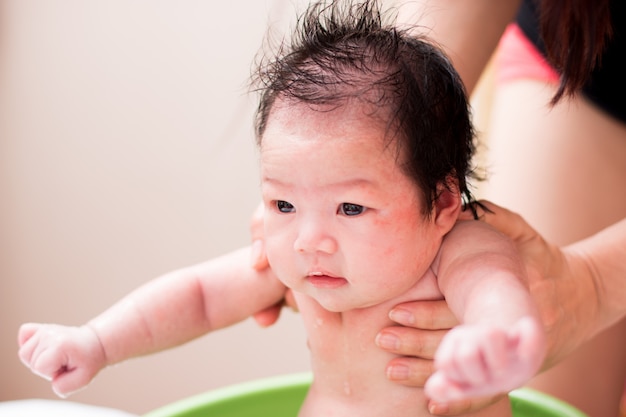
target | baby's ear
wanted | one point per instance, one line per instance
(448, 205)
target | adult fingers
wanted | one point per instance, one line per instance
(290, 300)
(427, 315)
(412, 372)
(462, 406)
(270, 315)
(258, 257)
(410, 342)
(510, 223)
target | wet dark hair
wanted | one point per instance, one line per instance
(344, 51)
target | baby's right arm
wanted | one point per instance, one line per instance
(69, 357)
(165, 312)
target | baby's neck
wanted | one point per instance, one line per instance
(349, 369)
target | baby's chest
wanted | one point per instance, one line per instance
(348, 367)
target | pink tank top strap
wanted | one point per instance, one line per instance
(518, 58)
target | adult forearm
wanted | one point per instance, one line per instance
(468, 30)
(604, 255)
(580, 289)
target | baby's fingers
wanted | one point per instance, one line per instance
(28, 342)
(54, 365)
(67, 383)
(469, 365)
(48, 363)
(440, 388)
(460, 358)
(531, 343)
(496, 354)
(26, 331)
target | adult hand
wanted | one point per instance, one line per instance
(559, 281)
(423, 325)
(269, 316)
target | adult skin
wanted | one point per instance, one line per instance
(580, 290)
(560, 167)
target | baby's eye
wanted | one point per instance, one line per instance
(285, 207)
(350, 209)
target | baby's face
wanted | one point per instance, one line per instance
(343, 222)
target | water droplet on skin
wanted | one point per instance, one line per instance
(319, 322)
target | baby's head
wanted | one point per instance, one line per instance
(344, 53)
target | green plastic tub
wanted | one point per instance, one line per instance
(281, 397)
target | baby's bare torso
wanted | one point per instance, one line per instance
(349, 369)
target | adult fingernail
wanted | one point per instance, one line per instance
(398, 372)
(436, 408)
(387, 341)
(402, 316)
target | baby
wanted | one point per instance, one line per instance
(365, 145)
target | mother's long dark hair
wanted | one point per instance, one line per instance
(574, 33)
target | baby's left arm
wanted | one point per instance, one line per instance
(500, 343)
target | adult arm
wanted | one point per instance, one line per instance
(580, 290)
(468, 30)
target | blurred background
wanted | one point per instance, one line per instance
(126, 151)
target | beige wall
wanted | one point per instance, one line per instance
(126, 151)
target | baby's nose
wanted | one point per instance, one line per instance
(314, 238)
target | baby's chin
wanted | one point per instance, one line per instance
(343, 306)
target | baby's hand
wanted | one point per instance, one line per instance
(69, 357)
(481, 360)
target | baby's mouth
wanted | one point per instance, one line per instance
(323, 280)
